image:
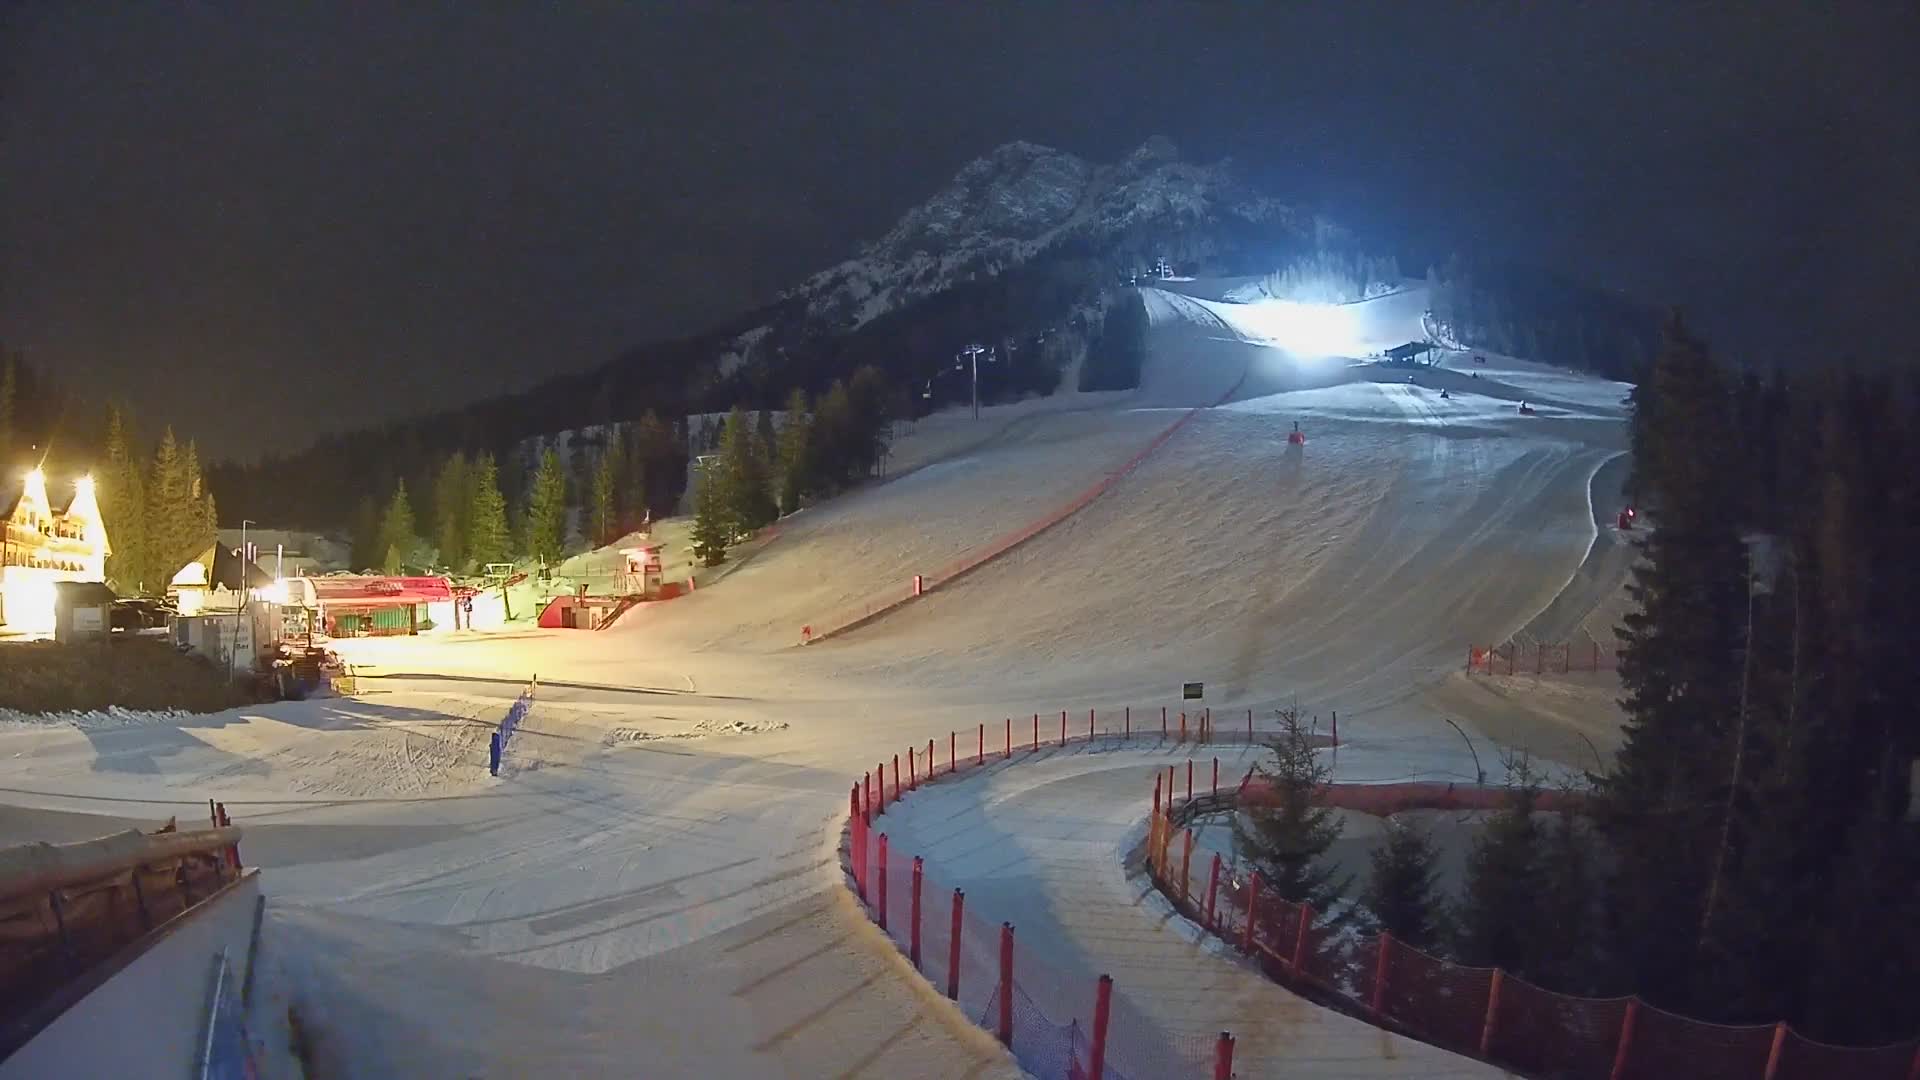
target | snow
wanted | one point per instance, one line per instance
(652, 886)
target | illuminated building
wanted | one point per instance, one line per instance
(40, 545)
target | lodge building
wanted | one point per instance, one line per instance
(40, 545)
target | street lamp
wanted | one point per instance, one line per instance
(973, 352)
(246, 580)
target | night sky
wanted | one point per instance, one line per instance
(260, 221)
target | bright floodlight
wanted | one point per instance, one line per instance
(1303, 328)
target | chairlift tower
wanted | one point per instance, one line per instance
(973, 353)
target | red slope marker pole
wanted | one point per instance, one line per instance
(953, 947)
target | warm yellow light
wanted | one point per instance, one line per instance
(84, 485)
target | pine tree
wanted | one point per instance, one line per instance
(1662, 805)
(366, 535)
(546, 520)
(122, 496)
(743, 478)
(792, 455)
(170, 513)
(452, 507)
(1285, 836)
(398, 537)
(712, 527)
(487, 536)
(605, 518)
(1402, 893)
(1497, 922)
(767, 444)
(1566, 954)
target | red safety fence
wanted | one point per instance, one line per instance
(1481, 1012)
(1056, 1026)
(879, 604)
(1564, 658)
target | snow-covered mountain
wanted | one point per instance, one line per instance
(1023, 199)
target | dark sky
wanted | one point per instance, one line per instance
(262, 220)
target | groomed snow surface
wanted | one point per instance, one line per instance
(652, 886)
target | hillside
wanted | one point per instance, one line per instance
(1021, 252)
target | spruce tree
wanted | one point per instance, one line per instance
(743, 477)
(170, 514)
(366, 535)
(1662, 804)
(712, 525)
(487, 536)
(604, 520)
(1497, 924)
(1402, 893)
(452, 507)
(398, 537)
(546, 521)
(792, 457)
(1284, 835)
(122, 497)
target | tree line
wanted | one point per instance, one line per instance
(760, 474)
(158, 510)
(1753, 853)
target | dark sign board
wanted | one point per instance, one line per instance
(1190, 691)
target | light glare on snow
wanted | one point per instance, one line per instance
(1302, 328)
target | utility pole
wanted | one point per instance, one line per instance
(973, 352)
(246, 580)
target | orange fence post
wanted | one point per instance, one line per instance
(1009, 736)
(953, 947)
(1493, 1012)
(896, 777)
(883, 881)
(1006, 985)
(1186, 868)
(930, 758)
(1128, 717)
(1213, 888)
(1774, 1051)
(1216, 776)
(857, 845)
(1625, 1048)
(1299, 962)
(1156, 791)
(913, 946)
(1163, 721)
(913, 777)
(1189, 779)
(1223, 1057)
(1063, 727)
(1380, 973)
(1102, 1005)
(1253, 912)
(1090, 713)
(866, 801)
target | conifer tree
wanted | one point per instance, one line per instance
(452, 509)
(743, 477)
(767, 443)
(171, 525)
(366, 535)
(1497, 924)
(398, 537)
(487, 536)
(546, 521)
(792, 452)
(712, 527)
(604, 520)
(122, 496)
(1402, 893)
(1285, 836)
(1681, 666)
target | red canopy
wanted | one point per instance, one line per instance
(373, 591)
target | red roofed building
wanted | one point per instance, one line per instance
(357, 605)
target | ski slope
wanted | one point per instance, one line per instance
(651, 885)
